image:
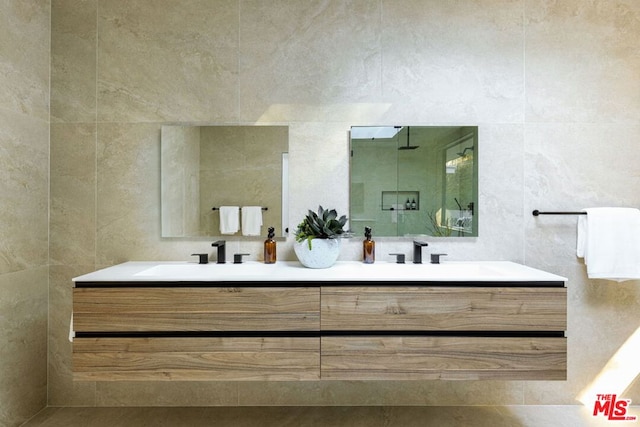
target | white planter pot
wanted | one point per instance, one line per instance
(323, 254)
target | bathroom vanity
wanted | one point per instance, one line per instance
(354, 321)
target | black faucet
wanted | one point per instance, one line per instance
(221, 250)
(399, 258)
(435, 258)
(202, 258)
(237, 258)
(417, 251)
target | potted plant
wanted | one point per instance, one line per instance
(317, 238)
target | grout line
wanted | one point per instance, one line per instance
(238, 53)
(48, 359)
(525, 219)
(524, 62)
(95, 169)
(381, 47)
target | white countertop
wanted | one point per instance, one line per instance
(452, 271)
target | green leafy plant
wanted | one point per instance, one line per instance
(436, 228)
(324, 224)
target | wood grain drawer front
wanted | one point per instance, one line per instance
(196, 309)
(197, 359)
(443, 309)
(447, 358)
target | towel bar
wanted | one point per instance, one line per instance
(215, 209)
(537, 212)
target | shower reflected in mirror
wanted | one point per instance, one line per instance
(414, 180)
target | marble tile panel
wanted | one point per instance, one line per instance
(380, 393)
(318, 168)
(24, 189)
(601, 316)
(604, 317)
(573, 166)
(304, 61)
(72, 225)
(500, 196)
(23, 334)
(128, 198)
(128, 192)
(24, 63)
(555, 415)
(318, 173)
(442, 416)
(174, 62)
(582, 61)
(62, 389)
(194, 417)
(274, 393)
(73, 60)
(447, 63)
(166, 393)
(476, 416)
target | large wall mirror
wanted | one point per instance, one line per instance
(205, 167)
(414, 180)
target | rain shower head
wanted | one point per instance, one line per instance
(408, 147)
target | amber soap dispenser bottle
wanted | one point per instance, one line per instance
(270, 247)
(368, 247)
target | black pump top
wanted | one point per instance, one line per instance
(270, 233)
(367, 233)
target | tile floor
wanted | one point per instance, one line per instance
(442, 416)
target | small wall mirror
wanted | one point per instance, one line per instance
(205, 167)
(414, 180)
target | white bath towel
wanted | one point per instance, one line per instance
(609, 242)
(229, 219)
(251, 220)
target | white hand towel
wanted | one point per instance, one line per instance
(229, 219)
(251, 220)
(72, 333)
(609, 242)
(395, 210)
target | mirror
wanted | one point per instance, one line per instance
(414, 180)
(205, 167)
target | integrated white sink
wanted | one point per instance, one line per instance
(190, 271)
(451, 271)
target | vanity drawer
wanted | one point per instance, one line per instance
(197, 359)
(442, 308)
(447, 358)
(162, 309)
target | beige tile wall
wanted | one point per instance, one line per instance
(552, 86)
(24, 188)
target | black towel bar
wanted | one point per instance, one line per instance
(217, 209)
(537, 212)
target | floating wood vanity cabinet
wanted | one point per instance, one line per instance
(444, 332)
(165, 308)
(302, 328)
(196, 358)
(165, 331)
(443, 308)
